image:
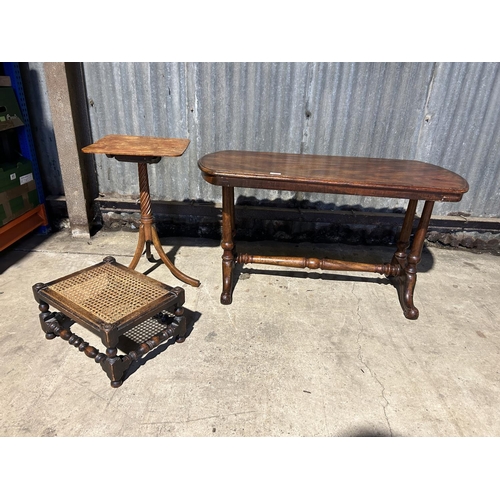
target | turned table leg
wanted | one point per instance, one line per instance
(400, 257)
(407, 278)
(227, 244)
(148, 233)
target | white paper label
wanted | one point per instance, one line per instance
(24, 179)
(12, 177)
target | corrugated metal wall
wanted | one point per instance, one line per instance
(443, 113)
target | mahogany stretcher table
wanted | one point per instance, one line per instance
(144, 150)
(411, 180)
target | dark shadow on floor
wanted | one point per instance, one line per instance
(368, 432)
(12, 255)
(373, 254)
(353, 253)
(240, 272)
(191, 318)
(155, 259)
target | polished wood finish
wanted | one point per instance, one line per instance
(333, 174)
(144, 150)
(412, 180)
(315, 263)
(227, 244)
(148, 234)
(406, 278)
(110, 300)
(132, 145)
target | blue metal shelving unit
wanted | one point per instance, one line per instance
(25, 136)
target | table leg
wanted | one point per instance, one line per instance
(400, 257)
(146, 215)
(149, 255)
(139, 248)
(227, 244)
(163, 256)
(148, 234)
(405, 282)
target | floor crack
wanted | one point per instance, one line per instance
(363, 362)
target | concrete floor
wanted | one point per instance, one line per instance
(296, 354)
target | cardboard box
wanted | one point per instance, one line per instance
(10, 114)
(5, 81)
(18, 192)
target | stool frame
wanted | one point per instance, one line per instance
(166, 309)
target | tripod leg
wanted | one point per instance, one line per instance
(139, 248)
(178, 274)
(149, 255)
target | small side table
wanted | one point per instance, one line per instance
(144, 150)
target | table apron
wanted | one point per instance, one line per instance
(399, 192)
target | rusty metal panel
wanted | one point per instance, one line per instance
(443, 113)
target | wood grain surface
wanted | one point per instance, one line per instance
(333, 174)
(131, 145)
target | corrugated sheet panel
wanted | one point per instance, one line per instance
(463, 132)
(443, 113)
(372, 110)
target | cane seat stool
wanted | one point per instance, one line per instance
(129, 311)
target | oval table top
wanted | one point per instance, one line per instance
(379, 177)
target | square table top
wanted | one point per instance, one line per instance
(378, 177)
(137, 146)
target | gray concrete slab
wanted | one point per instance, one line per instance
(297, 353)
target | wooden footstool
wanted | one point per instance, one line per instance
(126, 309)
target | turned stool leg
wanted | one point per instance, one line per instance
(180, 320)
(115, 366)
(52, 325)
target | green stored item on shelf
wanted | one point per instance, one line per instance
(10, 114)
(13, 174)
(18, 193)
